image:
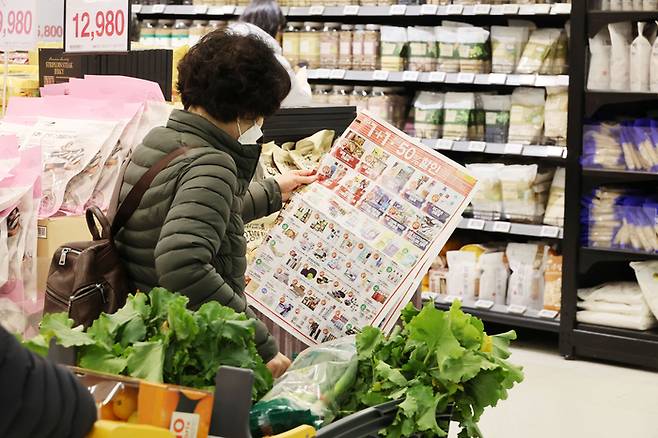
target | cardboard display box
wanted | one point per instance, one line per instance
(53, 233)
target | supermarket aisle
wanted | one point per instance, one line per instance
(575, 399)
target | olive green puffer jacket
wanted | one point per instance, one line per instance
(188, 233)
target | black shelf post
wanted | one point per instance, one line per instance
(571, 242)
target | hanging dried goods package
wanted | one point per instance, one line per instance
(620, 39)
(506, 47)
(641, 57)
(599, 65)
(474, 50)
(539, 46)
(428, 114)
(423, 50)
(527, 115)
(458, 115)
(448, 60)
(497, 117)
(393, 48)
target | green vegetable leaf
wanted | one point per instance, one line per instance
(368, 341)
(98, 359)
(385, 372)
(431, 329)
(60, 326)
(134, 331)
(146, 361)
(38, 345)
(181, 320)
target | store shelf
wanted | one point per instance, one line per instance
(500, 314)
(594, 255)
(595, 100)
(515, 149)
(365, 11)
(512, 80)
(599, 19)
(618, 345)
(504, 227)
(608, 175)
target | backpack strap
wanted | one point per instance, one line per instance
(132, 201)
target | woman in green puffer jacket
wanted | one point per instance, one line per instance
(188, 233)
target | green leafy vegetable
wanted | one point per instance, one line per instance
(434, 362)
(157, 338)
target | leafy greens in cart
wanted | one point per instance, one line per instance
(157, 338)
(435, 360)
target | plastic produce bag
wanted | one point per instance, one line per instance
(308, 392)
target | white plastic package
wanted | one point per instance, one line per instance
(537, 49)
(527, 115)
(507, 44)
(428, 114)
(493, 277)
(624, 292)
(554, 214)
(599, 64)
(647, 277)
(518, 196)
(488, 200)
(640, 60)
(556, 115)
(526, 283)
(457, 115)
(633, 322)
(462, 278)
(446, 38)
(620, 39)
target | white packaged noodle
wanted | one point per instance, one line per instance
(526, 282)
(507, 44)
(462, 275)
(556, 115)
(448, 50)
(428, 114)
(620, 39)
(647, 277)
(537, 50)
(493, 277)
(518, 196)
(488, 200)
(599, 65)
(527, 115)
(640, 61)
(423, 48)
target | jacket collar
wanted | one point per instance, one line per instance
(245, 157)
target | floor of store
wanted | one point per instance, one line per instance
(578, 399)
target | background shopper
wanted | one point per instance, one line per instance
(188, 233)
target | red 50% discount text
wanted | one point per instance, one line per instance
(96, 26)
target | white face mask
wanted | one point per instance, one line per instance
(251, 135)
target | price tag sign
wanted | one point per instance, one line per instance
(527, 10)
(555, 151)
(466, 78)
(380, 75)
(198, 9)
(410, 76)
(510, 9)
(542, 9)
(497, 78)
(455, 9)
(468, 10)
(18, 25)
(158, 9)
(136, 9)
(513, 149)
(484, 304)
(502, 227)
(337, 74)
(50, 16)
(477, 146)
(444, 145)
(437, 76)
(316, 10)
(565, 153)
(549, 231)
(497, 10)
(475, 224)
(561, 9)
(514, 80)
(351, 10)
(482, 9)
(450, 298)
(528, 80)
(97, 26)
(548, 314)
(429, 9)
(516, 309)
(563, 80)
(398, 10)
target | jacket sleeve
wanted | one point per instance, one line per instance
(192, 233)
(262, 199)
(39, 398)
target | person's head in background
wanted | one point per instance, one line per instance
(233, 80)
(267, 15)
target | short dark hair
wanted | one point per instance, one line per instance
(265, 14)
(232, 76)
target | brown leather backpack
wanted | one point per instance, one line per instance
(87, 278)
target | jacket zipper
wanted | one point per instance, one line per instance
(65, 252)
(57, 298)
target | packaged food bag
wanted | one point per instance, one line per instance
(620, 38)
(641, 59)
(423, 49)
(393, 48)
(647, 276)
(428, 114)
(309, 392)
(507, 44)
(493, 277)
(599, 64)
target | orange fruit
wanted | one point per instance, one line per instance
(124, 403)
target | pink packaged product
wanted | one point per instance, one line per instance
(9, 156)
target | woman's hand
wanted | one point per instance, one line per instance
(291, 181)
(278, 365)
